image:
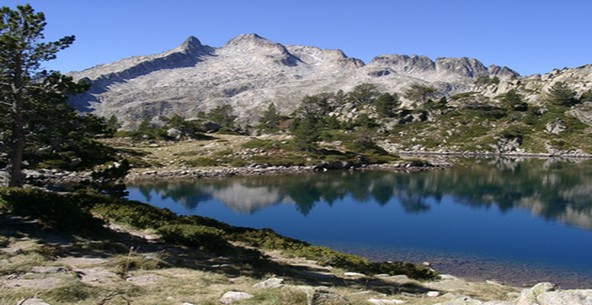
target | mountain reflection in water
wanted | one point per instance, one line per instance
(555, 190)
(517, 222)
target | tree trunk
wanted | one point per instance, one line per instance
(17, 143)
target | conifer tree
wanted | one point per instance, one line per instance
(22, 51)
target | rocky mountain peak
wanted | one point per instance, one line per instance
(252, 41)
(464, 66)
(259, 47)
(191, 45)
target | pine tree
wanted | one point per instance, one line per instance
(270, 119)
(386, 103)
(420, 93)
(562, 95)
(21, 54)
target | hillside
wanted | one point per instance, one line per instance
(447, 105)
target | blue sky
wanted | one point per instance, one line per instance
(527, 36)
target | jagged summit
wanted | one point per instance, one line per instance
(442, 68)
(248, 39)
(258, 47)
(249, 72)
(191, 45)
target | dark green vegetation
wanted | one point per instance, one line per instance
(84, 214)
(37, 125)
(465, 122)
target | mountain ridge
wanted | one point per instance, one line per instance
(250, 72)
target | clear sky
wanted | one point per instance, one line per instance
(529, 36)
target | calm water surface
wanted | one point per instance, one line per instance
(516, 222)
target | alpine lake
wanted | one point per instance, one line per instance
(518, 222)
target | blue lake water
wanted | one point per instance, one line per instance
(515, 222)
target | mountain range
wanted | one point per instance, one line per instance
(250, 72)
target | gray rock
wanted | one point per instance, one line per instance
(233, 296)
(464, 300)
(529, 296)
(354, 274)
(325, 297)
(32, 301)
(48, 269)
(173, 133)
(4, 178)
(269, 283)
(571, 297)
(555, 127)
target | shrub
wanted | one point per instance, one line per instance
(562, 95)
(201, 237)
(63, 212)
(135, 214)
(202, 161)
(268, 239)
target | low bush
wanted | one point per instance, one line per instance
(268, 239)
(202, 161)
(135, 214)
(196, 236)
(63, 212)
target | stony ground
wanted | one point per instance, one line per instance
(41, 266)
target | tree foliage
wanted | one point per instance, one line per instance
(386, 104)
(21, 54)
(420, 93)
(37, 124)
(562, 95)
(514, 101)
(309, 119)
(223, 116)
(363, 94)
(270, 119)
(586, 96)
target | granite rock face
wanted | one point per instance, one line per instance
(249, 72)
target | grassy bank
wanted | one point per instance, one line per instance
(132, 240)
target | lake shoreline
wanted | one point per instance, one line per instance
(49, 177)
(258, 170)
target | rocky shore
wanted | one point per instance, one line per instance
(45, 177)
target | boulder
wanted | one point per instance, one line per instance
(354, 274)
(580, 297)
(32, 301)
(174, 133)
(269, 283)
(210, 127)
(529, 296)
(232, 296)
(325, 297)
(555, 127)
